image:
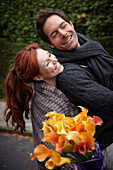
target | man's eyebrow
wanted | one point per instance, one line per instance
(59, 26)
(62, 23)
(52, 33)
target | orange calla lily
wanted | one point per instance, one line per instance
(56, 160)
(51, 137)
(57, 116)
(61, 142)
(60, 127)
(49, 164)
(51, 122)
(80, 127)
(46, 129)
(82, 116)
(88, 139)
(89, 127)
(51, 114)
(41, 152)
(97, 120)
(73, 135)
(69, 123)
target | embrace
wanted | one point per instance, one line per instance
(78, 72)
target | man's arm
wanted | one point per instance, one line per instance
(81, 89)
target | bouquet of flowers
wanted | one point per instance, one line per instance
(73, 139)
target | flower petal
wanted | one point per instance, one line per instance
(74, 136)
(88, 139)
(80, 127)
(51, 137)
(50, 114)
(60, 127)
(97, 120)
(60, 144)
(90, 127)
(58, 160)
(46, 129)
(82, 116)
(41, 152)
(49, 164)
(57, 116)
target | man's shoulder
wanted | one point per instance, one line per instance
(74, 71)
(71, 66)
(71, 69)
(80, 35)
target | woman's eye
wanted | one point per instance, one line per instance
(47, 63)
(49, 54)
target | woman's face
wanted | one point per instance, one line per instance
(49, 67)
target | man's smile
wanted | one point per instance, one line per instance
(68, 39)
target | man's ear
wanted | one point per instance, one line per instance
(71, 24)
(38, 78)
(51, 45)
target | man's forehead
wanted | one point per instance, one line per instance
(54, 20)
(52, 23)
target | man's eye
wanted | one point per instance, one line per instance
(54, 35)
(64, 25)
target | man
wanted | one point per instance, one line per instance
(87, 79)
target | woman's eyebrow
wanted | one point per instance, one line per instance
(48, 53)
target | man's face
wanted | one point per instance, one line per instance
(61, 34)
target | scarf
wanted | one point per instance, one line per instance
(94, 56)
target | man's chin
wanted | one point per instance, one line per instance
(68, 47)
(74, 45)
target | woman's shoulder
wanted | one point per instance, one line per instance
(44, 89)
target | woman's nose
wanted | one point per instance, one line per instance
(54, 60)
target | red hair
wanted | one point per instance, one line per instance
(18, 93)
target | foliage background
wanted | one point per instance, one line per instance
(91, 17)
(17, 25)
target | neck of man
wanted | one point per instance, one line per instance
(78, 45)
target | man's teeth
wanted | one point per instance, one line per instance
(68, 39)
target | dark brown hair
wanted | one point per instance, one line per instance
(41, 19)
(18, 93)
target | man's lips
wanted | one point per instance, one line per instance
(68, 40)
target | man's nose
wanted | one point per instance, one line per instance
(62, 33)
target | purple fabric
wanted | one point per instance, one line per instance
(96, 163)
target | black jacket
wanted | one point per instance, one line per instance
(86, 88)
(92, 55)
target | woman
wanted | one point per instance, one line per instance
(33, 64)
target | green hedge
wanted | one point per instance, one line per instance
(8, 51)
(91, 17)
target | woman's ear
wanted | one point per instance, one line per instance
(38, 78)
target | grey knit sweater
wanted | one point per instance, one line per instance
(47, 98)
